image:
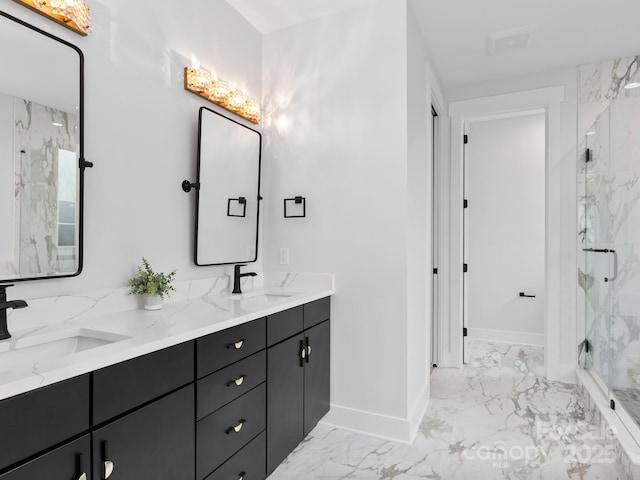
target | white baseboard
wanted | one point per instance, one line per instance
(507, 336)
(382, 426)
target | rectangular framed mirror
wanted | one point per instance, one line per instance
(228, 197)
(41, 153)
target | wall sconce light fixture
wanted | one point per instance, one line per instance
(73, 14)
(199, 81)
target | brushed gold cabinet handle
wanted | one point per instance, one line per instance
(238, 345)
(308, 350)
(83, 477)
(241, 476)
(236, 428)
(238, 381)
(303, 354)
(108, 469)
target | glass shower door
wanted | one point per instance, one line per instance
(624, 207)
(596, 240)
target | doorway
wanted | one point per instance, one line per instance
(504, 229)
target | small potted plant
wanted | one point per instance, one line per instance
(151, 285)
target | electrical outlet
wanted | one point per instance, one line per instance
(284, 256)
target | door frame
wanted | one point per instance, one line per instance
(559, 356)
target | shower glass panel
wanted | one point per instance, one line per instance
(611, 240)
(596, 240)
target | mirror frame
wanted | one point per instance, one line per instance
(198, 180)
(82, 163)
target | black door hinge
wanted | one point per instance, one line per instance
(465, 268)
(466, 203)
(435, 271)
(587, 347)
(587, 155)
(465, 332)
(612, 404)
(465, 139)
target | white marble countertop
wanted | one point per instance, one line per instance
(186, 318)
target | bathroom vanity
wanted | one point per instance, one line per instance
(176, 397)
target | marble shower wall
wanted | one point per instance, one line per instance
(41, 134)
(609, 218)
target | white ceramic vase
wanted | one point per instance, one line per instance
(152, 302)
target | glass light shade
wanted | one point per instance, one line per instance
(219, 91)
(252, 110)
(198, 80)
(236, 101)
(73, 13)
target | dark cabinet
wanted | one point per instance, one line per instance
(155, 442)
(226, 431)
(222, 348)
(127, 385)
(248, 464)
(298, 379)
(285, 399)
(229, 405)
(316, 375)
(37, 420)
(69, 462)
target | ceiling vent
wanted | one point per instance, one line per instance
(509, 40)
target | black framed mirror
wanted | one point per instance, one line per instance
(228, 193)
(41, 153)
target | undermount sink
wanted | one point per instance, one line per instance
(51, 345)
(263, 296)
(255, 299)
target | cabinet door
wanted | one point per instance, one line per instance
(35, 421)
(155, 442)
(285, 402)
(68, 462)
(317, 379)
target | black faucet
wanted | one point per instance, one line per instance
(237, 276)
(4, 304)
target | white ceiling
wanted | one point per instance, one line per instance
(567, 32)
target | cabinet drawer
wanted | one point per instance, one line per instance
(216, 438)
(248, 464)
(36, 420)
(124, 386)
(223, 348)
(283, 325)
(220, 388)
(69, 461)
(317, 312)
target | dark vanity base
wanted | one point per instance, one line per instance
(232, 404)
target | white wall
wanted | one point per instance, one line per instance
(419, 204)
(7, 178)
(505, 228)
(336, 132)
(141, 131)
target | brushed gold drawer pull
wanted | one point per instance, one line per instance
(236, 428)
(241, 475)
(238, 381)
(83, 477)
(108, 469)
(237, 345)
(303, 354)
(308, 350)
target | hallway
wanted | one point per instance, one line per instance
(497, 418)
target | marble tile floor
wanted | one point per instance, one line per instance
(497, 418)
